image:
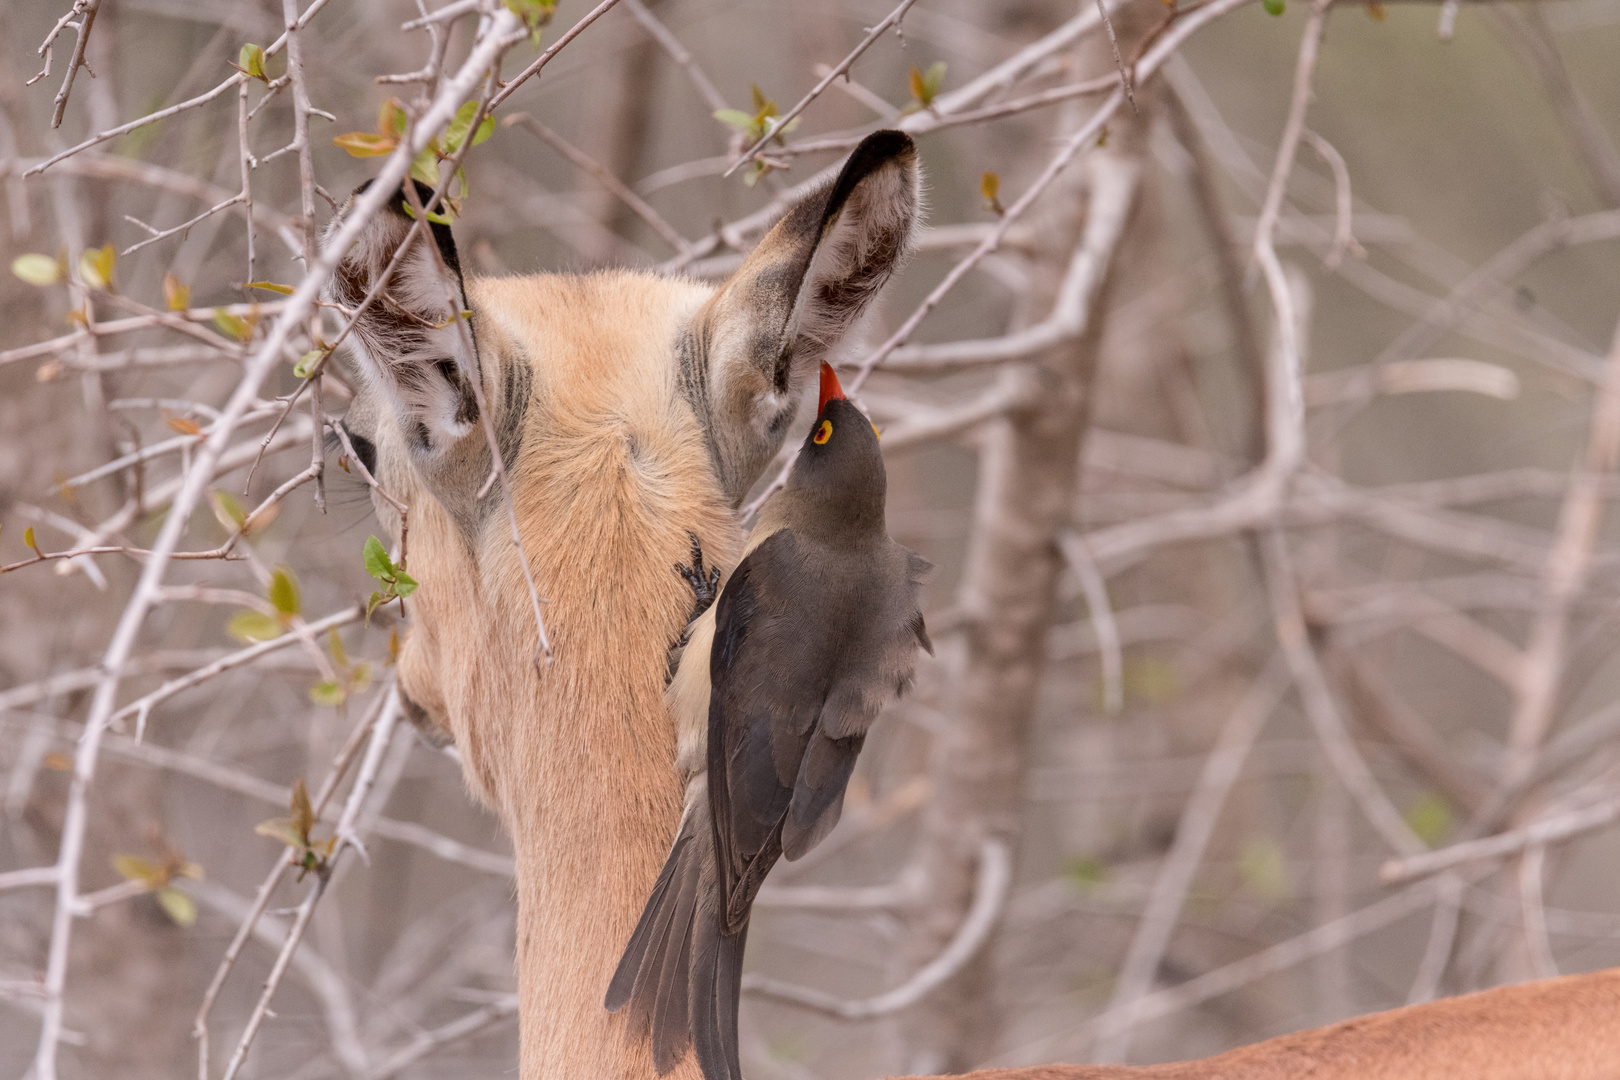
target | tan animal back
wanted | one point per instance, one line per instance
(633, 412)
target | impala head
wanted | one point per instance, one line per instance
(629, 409)
(739, 354)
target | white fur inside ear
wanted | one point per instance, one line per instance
(871, 237)
(412, 346)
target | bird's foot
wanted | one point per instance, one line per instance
(705, 583)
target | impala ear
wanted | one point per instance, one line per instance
(807, 281)
(407, 345)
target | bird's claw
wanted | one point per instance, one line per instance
(705, 583)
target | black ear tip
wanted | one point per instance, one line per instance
(878, 149)
(883, 145)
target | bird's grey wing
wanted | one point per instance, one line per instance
(874, 666)
(768, 672)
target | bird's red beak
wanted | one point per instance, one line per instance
(829, 387)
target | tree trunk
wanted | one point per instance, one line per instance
(1028, 470)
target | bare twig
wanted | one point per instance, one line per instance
(1548, 830)
(1198, 819)
(381, 734)
(603, 176)
(777, 123)
(989, 897)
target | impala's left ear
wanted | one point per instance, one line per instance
(768, 328)
(407, 345)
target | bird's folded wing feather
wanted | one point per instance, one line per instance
(809, 646)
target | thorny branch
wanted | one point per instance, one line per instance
(1541, 788)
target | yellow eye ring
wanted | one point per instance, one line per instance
(823, 433)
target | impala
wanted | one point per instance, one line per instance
(633, 413)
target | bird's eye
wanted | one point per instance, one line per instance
(823, 433)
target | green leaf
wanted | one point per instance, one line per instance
(1432, 818)
(96, 266)
(283, 593)
(327, 692)
(1263, 871)
(734, 118)
(1273, 7)
(36, 269)
(176, 294)
(250, 626)
(404, 584)
(990, 188)
(755, 171)
(303, 814)
(1085, 872)
(228, 511)
(28, 538)
(177, 906)
(270, 286)
(232, 326)
(306, 363)
(534, 13)
(334, 645)
(425, 166)
(457, 131)
(250, 62)
(364, 144)
(925, 84)
(135, 868)
(1150, 680)
(438, 217)
(377, 600)
(281, 830)
(378, 564)
(391, 119)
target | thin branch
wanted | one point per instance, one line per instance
(678, 53)
(163, 114)
(382, 733)
(1547, 830)
(87, 17)
(1102, 620)
(429, 1042)
(1193, 833)
(1293, 130)
(501, 33)
(1320, 707)
(605, 177)
(545, 58)
(340, 766)
(1344, 237)
(989, 898)
(1107, 213)
(1240, 973)
(1563, 579)
(777, 123)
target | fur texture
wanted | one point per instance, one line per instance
(1552, 1029)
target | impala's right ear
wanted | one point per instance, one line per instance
(407, 345)
(807, 281)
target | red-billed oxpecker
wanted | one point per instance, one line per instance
(814, 633)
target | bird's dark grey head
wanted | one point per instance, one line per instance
(838, 478)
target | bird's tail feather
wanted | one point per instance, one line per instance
(681, 975)
(716, 993)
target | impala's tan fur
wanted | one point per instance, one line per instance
(578, 760)
(1554, 1029)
